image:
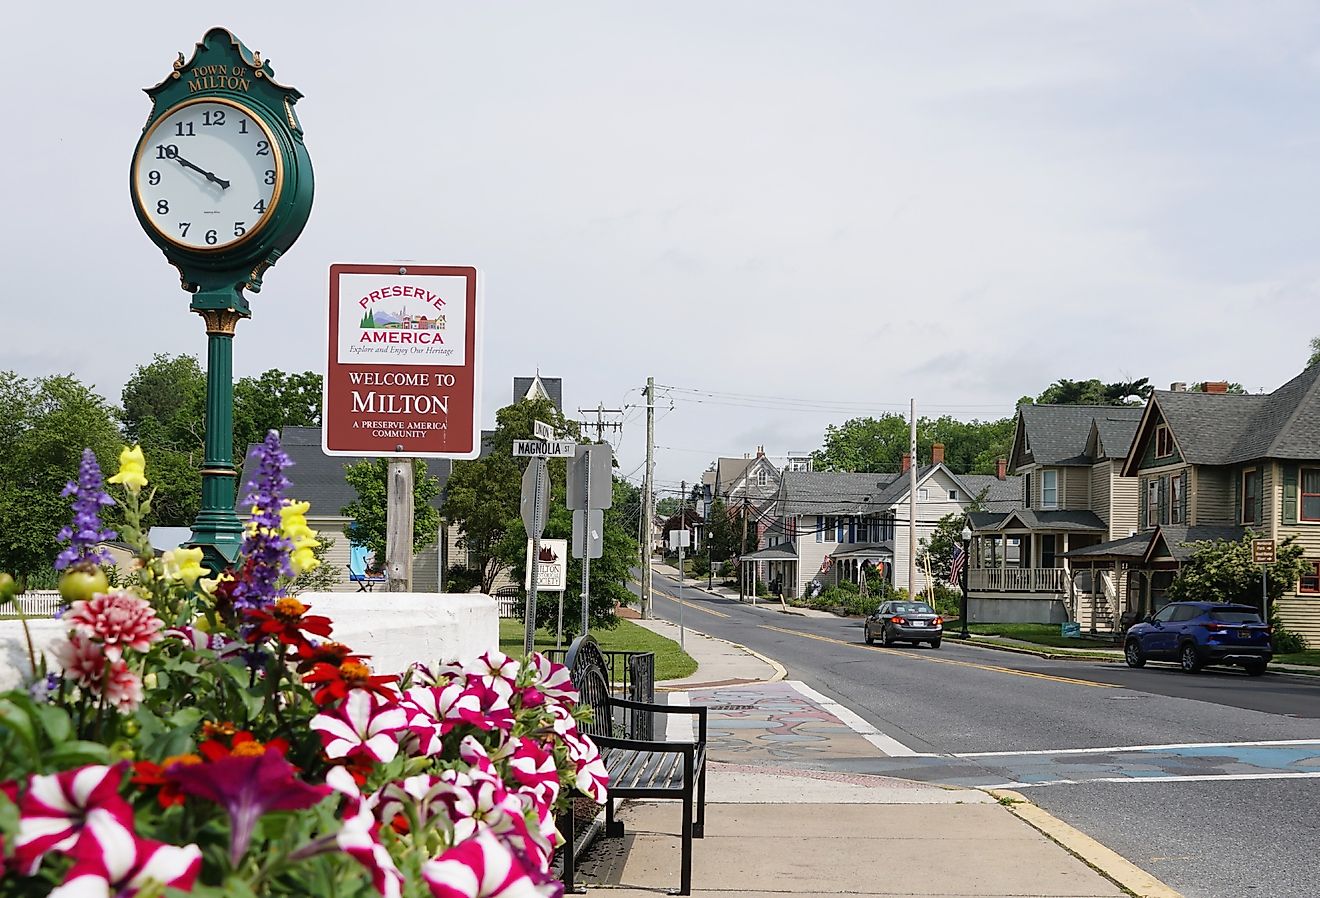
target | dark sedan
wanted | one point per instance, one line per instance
(913, 622)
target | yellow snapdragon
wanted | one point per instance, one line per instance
(132, 469)
(184, 564)
(294, 528)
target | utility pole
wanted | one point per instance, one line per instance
(601, 425)
(648, 506)
(682, 537)
(912, 506)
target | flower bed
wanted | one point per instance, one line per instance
(209, 735)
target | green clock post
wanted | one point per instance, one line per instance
(222, 183)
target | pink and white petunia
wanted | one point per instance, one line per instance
(359, 836)
(58, 808)
(110, 862)
(362, 724)
(486, 867)
(533, 769)
(496, 671)
(591, 779)
(435, 710)
(553, 680)
(440, 675)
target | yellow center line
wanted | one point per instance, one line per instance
(674, 598)
(924, 657)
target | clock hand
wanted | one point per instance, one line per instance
(224, 185)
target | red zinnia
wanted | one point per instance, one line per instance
(240, 743)
(336, 681)
(147, 774)
(287, 621)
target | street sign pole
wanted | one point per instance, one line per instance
(586, 551)
(1264, 595)
(681, 632)
(538, 523)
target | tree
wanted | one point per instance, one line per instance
(274, 400)
(879, 444)
(1095, 392)
(164, 410)
(666, 506)
(44, 426)
(723, 531)
(370, 478)
(1222, 571)
(1315, 352)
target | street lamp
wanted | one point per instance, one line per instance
(967, 563)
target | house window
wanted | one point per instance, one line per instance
(922, 495)
(953, 494)
(1049, 489)
(1311, 494)
(1163, 442)
(1250, 495)
(820, 529)
(1175, 499)
(840, 526)
(1152, 502)
(1310, 581)
(1026, 491)
(762, 478)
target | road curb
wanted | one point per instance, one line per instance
(1105, 861)
(1039, 653)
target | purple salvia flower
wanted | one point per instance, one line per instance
(265, 550)
(85, 530)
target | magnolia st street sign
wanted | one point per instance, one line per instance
(545, 448)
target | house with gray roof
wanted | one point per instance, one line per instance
(1073, 495)
(1216, 466)
(830, 526)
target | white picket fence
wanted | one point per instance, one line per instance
(40, 602)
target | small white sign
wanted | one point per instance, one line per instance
(545, 448)
(552, 569)
(542, 430)
(679, 538)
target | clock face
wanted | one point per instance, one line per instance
(208, 175)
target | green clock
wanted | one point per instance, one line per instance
(221, 181)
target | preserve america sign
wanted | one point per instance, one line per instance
(402, 377)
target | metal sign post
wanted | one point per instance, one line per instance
(1263, 553)
(537, 513)
(586, 555)
(590, 491)
(680, 538)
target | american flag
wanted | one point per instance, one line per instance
(956, 565)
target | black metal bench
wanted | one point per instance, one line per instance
(639, 768)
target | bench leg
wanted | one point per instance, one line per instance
(613, 828)
(570, 863)
(685, 878)
(700, 829)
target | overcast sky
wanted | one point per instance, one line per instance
(841, 204)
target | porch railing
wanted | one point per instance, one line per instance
(1018, 579)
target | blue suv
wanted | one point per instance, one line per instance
(1198, 633)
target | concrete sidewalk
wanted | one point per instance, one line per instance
(779, 821)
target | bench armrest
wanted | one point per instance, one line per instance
(698, 710)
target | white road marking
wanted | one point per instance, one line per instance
(678, 727)
(887, 744)
(1197, 778)
(1125, 748)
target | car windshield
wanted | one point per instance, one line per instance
(1235, 617)
(912, 608)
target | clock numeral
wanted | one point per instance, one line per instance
(259, 206)
(263, 148)
(242, 126)
(270, 176)
(239, 230)
(183, 228)
(153, 177)
(210, 237)
(162, 207)
(166, 151)
(183, 129)
(209, 117)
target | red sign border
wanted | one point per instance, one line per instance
(472, 349)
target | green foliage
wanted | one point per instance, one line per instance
(369, 478)
(1222, 571)
(274, 400)
(323, 577)
(724, 531)
(666, 507)
(1315, 352)
(878, 444)
(1095, 392)
(937, 549)
(44, 423)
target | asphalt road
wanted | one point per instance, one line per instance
(1166, 768)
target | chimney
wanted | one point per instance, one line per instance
(1178, 387)
(1215, 386)
(760, 452)
(907, 461)
(937, 454)
(1001, 468)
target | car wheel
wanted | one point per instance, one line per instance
(866, 628)
(1133, 654)
(1255, 670)
(934, 643)
(1190, 658)
(886, 637)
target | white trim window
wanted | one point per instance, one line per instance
(1049, 489)
(1175, 499)
(1163, 441)
(1153, 502)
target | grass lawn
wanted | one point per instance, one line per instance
(1309, 657)
(1038, 634)
(671, 662)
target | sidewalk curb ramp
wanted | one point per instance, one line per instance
(1125, 874)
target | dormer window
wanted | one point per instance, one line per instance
(1163, 441)
(762, 478)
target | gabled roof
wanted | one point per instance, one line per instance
(1228, 428)
(1059, 434)
(319, 478)
(1027, 519)
(550, 387)
(1000, 495)
(1112, 435)
(830, 493)
(1175, 540)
